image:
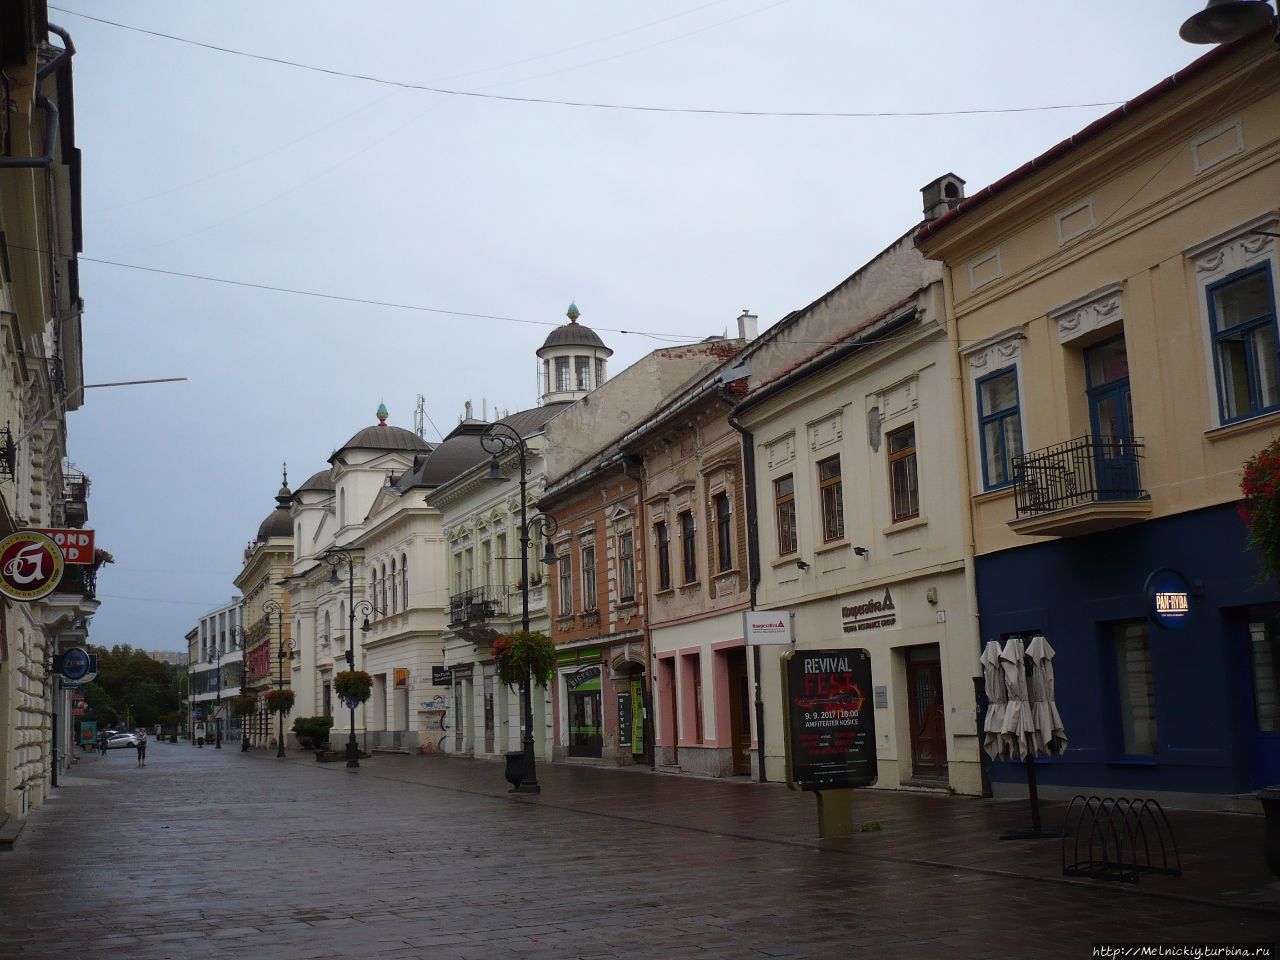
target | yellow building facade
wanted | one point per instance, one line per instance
(1116, 360)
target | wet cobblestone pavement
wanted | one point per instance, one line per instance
(218, 854)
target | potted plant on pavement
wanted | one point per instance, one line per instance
(312, 732)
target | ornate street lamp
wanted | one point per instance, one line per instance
(215, 656)
(499, 439)
(1222, 21)
(336, 556)
(239, 633)
(269, 609)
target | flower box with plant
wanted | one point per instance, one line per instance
(280, 701)
(353, 685)
(244, 706)
(1260, 508)
(312, 732)
(520, 654)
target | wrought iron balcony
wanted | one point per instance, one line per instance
(477, 605)
(80, 580)
(1081, 486)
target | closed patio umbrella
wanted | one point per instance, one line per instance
(1017, 730)
(1021, 730)
(997, 699)
(1051, 737)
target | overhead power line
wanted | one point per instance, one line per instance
(588, 104)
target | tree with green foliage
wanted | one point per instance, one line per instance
(132, 688)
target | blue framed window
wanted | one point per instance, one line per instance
(999, 426)
(1242, 318)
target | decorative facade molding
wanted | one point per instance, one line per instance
(1093, 311)
(1213, 146)
(781, 451)
(826, 430)
(985, 269)
(1075, 221)
(997, 352)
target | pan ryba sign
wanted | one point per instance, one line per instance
(30, 565)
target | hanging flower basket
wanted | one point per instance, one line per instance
(353, 685)
(519, 655)
(1260, 508)
(280, 701)
(244, 706)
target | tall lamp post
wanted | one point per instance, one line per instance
(239, 633)
(497, 440)
(270, 609)
(215, 656)
(335, 557)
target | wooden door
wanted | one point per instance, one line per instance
(928, 731)
(739, 711)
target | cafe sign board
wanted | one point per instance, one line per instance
(1168, 598)
(829, 719)
(31, 565)
(76, 545)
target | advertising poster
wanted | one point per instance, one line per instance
(830, 720)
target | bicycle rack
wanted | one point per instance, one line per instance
(1114, 838)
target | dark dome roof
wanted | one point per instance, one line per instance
(319, 481)
(382, 437)
(574, 335)
(277, 524)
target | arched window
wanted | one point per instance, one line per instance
(393, 584)
(297, 540)
(327, 635)
(342, 507)
(382, 588)
(342, 614)
(404, 582)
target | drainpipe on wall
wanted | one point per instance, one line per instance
(970, 575)
(650, 666)
(47, 105)
(753, 562)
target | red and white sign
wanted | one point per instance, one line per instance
(77, 545)
(763, 627)
(31, 565)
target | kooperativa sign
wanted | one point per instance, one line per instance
(869, 613)
(31, 566)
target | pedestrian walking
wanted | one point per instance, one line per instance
(142, 747)
(102, 742)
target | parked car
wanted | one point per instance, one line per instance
(122, 740)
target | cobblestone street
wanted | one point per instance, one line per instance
(207, 853)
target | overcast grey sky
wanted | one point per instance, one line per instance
(204, 162)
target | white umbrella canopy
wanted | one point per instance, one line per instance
(1050, 736)
(997, 698)
(1017, 732)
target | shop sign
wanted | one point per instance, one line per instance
(584, 679)
(76, 545)
(869, 613)
(830, 723)
(441, 677)
(30, 566)
(400, 678)
(1168, 598)
(79, 707)
(462, 671)
(75, 664)
(763, 627)
(624, 718)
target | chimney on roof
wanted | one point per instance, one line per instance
(941, 195)
(747, 326)
(466, 415)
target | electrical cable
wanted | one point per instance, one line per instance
(595, 105)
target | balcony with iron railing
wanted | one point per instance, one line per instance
(1078, 487)
(478, 605)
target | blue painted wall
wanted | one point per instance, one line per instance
(1069, 590)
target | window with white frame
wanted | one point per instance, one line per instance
(626, 568)
(589, 577)
(999, 426)
(1242, 317)
(565, 566)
